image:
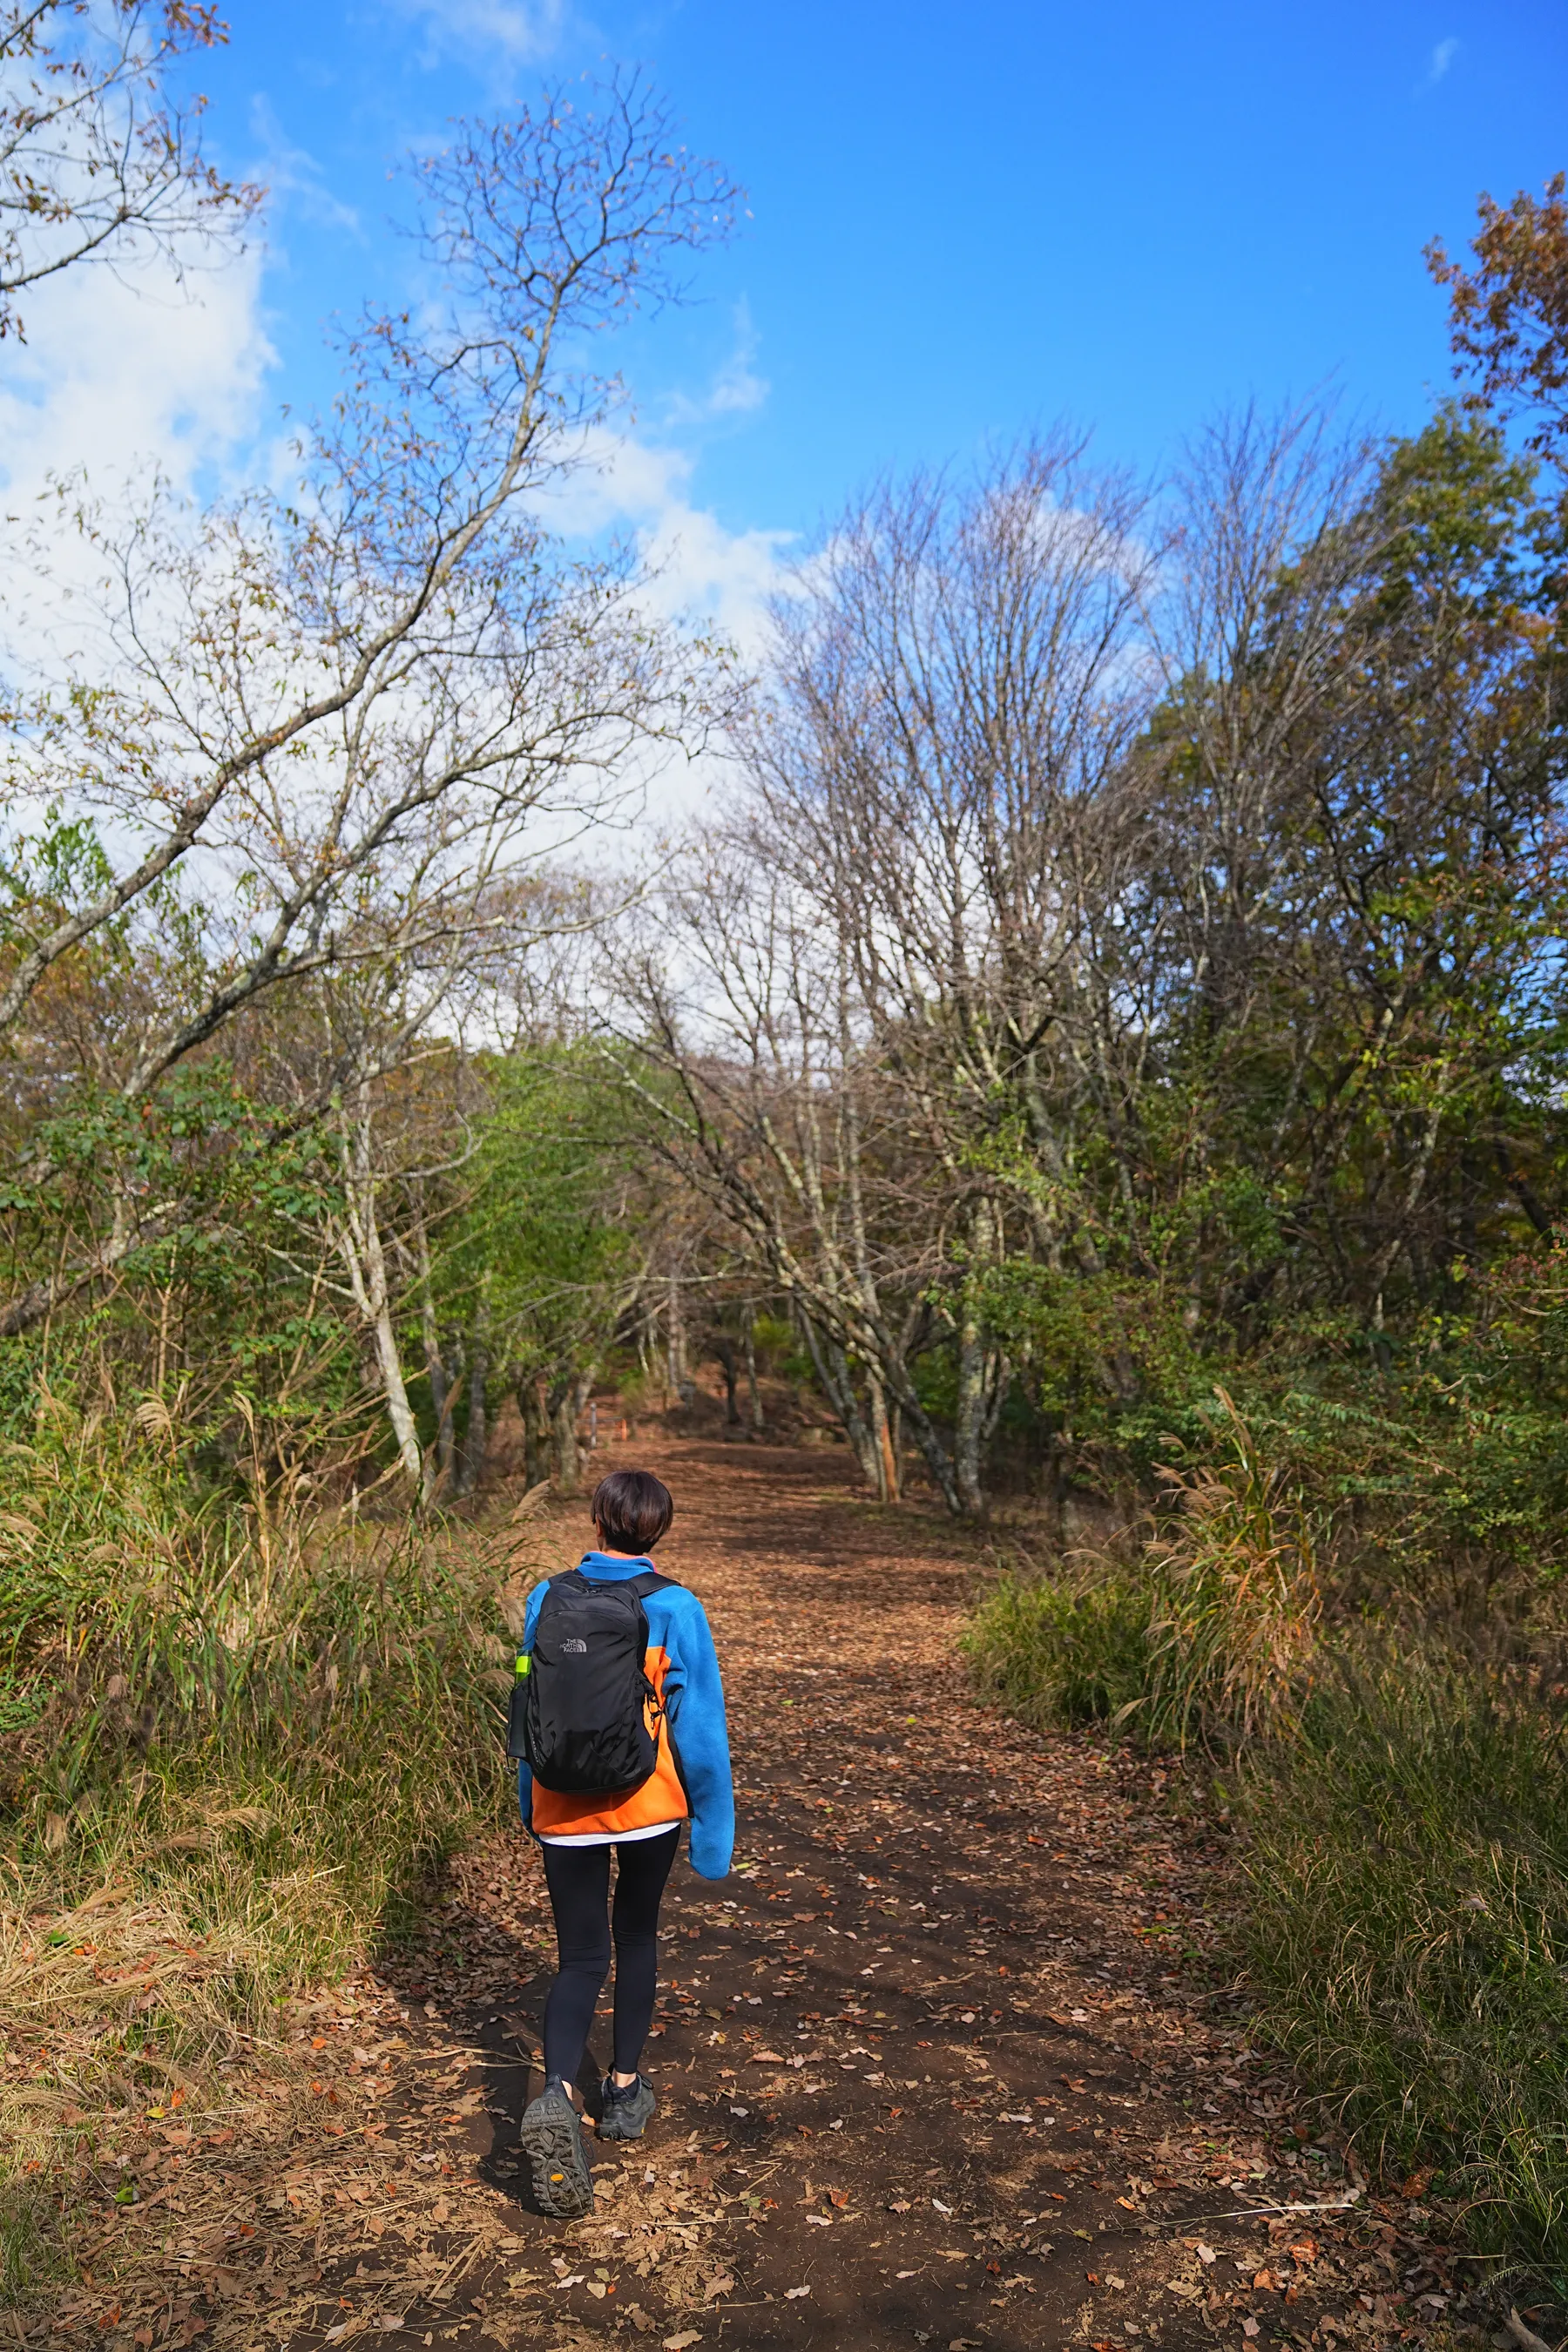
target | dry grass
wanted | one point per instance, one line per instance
(1236, 1604)
(1407, 1924)
(235, 1748)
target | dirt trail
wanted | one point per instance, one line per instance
(932, 2065)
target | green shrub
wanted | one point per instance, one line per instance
(1407, 1926)
(1072, 1651)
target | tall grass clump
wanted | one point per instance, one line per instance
(233, 1741)
(1235, 1601)
(1406, 1926)
(1207, 1633)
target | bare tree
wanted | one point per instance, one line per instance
(316, 679)
(941, 773)
(1271, 543)
(348, 720)
(98, 160)
(734, 1045)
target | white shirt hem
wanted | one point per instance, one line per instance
(604, 1837)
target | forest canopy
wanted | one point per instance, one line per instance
(1127, 955)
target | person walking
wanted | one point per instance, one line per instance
(619, 1732)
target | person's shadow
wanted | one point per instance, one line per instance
(506, 2028)
(511, 2081)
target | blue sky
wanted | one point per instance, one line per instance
(963, 219)
(963, 222)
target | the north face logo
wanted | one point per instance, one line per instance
(578, 1649)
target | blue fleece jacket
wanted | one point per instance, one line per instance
(694, 1698)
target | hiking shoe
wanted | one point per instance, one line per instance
(550, 2139)
(627, 2114)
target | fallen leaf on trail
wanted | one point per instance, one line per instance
(791, 2292)
(1205, 2253)
(714, 2287)
(681, 2343)
(940, 2205)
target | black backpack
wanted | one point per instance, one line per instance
(581, 1700)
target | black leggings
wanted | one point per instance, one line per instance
(578, 1877)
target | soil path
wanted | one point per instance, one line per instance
(933, 2065)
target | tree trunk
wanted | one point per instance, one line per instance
(563, 1441)
(442, 1396)
(365, 1262)
(749, 1344)
(566, 1411)
(399, 1412)
(970, 1411)
(530, 1404)
(476, 1437)
(723, 1349)
(889, 1479)
(832, 1367)
(982, 1373)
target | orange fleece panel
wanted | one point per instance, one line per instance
(660, 1797)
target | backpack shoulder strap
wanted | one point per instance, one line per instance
(649, 1581)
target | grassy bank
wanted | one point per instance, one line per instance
(1402, 1813)
(235, 1741)
(1407, 1926)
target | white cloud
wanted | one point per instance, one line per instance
(121, 373)
(737, 389)
(294, 172)
(702, 571)
(118, 379)
(511, 32)
(1441, 58)
(721, 577)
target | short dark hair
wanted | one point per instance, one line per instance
(632, 1509)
